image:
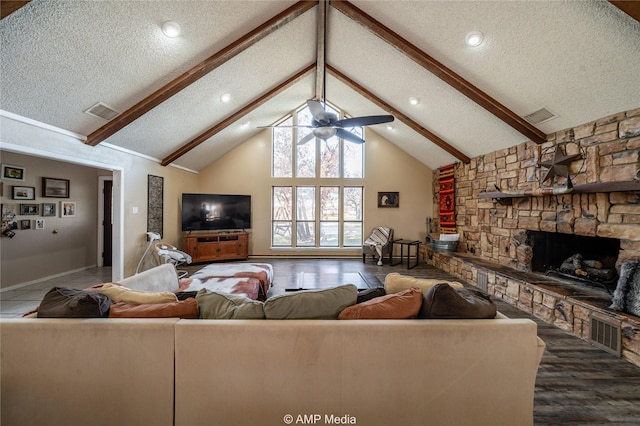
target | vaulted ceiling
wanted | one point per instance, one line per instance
(578, 60)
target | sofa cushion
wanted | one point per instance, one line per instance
(311, 304)
(63, 302)
(402, 305)
(395, 282)
(187, 309)
(446, 302)
(118, 293)
(215, 305)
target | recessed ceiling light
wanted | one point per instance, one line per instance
(171, 29)
(414, 101)
(389, 127)
(245, 124)
(225, 98)
(474, 38)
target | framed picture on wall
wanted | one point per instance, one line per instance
(13, 172)
(55, 188)
(48, 209)
(25, 224)
(29, 209)
(388, 199)
(39, 223)
(23, 192)
(67, 209)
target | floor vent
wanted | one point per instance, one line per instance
(103, 111)
(606, 335)
(483, 281)
(540, 116)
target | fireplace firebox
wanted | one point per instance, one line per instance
(583, 259)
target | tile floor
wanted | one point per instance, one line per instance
(16, 302)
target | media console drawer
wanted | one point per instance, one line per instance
(217, 246)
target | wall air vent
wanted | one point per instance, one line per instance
(483, 281)
(606, 335)
(540, 116)
(102, 110)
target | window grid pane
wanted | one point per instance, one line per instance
(283, 150)
(282, 203)
(352, 203)
(352, 234)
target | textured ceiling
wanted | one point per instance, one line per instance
(578, 59)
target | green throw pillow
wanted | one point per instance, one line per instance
(214, 305)
(311, 304)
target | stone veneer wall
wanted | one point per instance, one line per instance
(611, 153)
(497, 234)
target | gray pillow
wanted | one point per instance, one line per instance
(311, 304)
(214, 305)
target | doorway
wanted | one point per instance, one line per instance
(105, 221)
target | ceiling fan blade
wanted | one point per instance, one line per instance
(306, 139)
(315, 107)
(286, 127)
(320, 116)
(364, 121)
(347, 135)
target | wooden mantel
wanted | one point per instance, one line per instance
(631, 185)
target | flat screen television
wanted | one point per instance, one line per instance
(215, 212)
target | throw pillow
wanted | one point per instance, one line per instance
(445, 302)
(187, 308)
(395, 282)
(215, 305)
(403, 305)
(370, 293)
(311, 304)
(118, 293)
(63, 302)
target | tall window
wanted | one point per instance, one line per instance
(317, 201)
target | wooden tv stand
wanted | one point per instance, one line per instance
(232, 245)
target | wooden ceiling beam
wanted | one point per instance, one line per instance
(199, 71)
(398, 115)
(441, 71)
(7, 7)
(218, 127)
(631, 8)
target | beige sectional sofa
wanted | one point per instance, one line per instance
(268, 372)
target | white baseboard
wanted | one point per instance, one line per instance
(49, 277)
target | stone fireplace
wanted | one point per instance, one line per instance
(599, 218)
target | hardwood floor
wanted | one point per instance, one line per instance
(577, 383)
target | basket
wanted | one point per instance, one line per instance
(444, 246)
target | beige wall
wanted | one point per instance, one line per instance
(247, 170)
(65, 244)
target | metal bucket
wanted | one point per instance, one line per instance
(444, 246)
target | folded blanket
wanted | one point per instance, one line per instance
(378, 238)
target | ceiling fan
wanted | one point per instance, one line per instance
(325, 124)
